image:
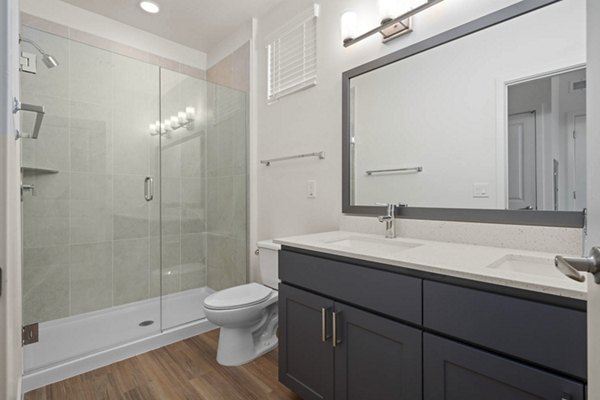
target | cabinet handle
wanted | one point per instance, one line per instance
(324, 336)
(334, 328)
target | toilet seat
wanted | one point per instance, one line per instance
(238, 297)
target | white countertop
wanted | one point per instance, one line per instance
(527, 270)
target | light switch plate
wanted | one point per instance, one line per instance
(481, 190)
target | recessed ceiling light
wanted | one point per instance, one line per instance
(150, 7)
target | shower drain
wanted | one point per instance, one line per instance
(146, 323)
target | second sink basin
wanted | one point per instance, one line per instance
(527, 265)
(372, 245)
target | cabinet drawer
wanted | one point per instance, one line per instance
(547, 335)
(388, 293)
(453, 371)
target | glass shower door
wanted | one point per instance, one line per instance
(91, 264)
(183, 191)
(204, 174)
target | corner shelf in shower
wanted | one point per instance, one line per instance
(38, 170)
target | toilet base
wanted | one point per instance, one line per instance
(238, 347)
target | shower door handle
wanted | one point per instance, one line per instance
(38, 110)
(148, 188)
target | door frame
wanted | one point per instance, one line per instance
(10, 207)
(592, 233)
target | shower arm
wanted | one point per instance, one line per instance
(34, 44)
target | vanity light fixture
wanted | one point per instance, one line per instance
(150, 7)
(349, 25)
(180, 120)
(392, 23)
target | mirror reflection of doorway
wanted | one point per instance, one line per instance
(546, 141)
(522, 193)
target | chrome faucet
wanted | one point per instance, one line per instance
(390, 219)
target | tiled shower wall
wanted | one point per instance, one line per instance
(90, 239)
(183, 180)
(227, 172)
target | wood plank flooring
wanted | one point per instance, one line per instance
(182, 370)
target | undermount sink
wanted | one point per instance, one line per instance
(372, 245)
(527, 265)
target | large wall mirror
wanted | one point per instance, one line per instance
(485, 122)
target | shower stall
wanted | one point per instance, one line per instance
(135, 203)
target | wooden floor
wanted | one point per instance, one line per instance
(183, 370)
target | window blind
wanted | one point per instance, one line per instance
(292, 56)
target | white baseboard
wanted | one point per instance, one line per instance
(56, 373)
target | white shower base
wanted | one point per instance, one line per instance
(73, 345)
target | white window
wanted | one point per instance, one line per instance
(292, 56)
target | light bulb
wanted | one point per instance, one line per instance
(181, 117)
(190, 112)
(349, 25)
(174, 121)
(167, 125)
(388, 10)
(152, 129)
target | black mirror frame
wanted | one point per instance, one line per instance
(570, 219)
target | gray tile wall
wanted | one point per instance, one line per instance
(227, 174)
(226, 182)
(90, 240)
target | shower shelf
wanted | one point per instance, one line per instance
(38, 170)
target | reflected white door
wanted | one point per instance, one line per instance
(521, 162)
(580, 174)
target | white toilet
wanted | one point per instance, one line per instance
(247, 314)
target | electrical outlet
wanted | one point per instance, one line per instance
(311, 189)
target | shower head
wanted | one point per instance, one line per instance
(49, 61)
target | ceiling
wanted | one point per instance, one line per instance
(199, 24)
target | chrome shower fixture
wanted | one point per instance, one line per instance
(26, 63)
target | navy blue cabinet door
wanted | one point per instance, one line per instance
(305, 360)
(375, 358)
(454, 371)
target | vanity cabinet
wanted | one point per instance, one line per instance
(375, 358)
(352, 329)
(453, 371)
(305, 359)
(329, 350)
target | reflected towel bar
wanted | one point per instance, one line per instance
(380, 171)
(320, 154)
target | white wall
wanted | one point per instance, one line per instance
(83, 20)
(10, 224)
(311, 120)
(438, 110)
(593, 200)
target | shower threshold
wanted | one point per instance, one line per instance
(74, 345)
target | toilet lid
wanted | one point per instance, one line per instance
(239, 296)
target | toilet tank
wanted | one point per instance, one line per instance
(268, 259)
